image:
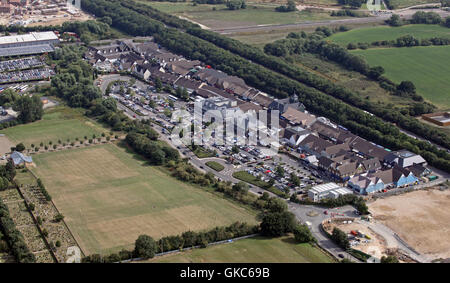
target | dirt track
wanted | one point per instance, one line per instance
(421, 218)
(5, 145)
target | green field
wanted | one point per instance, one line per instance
(254, 14)
(57, 123)
(427, 67)
(408, 3)
(369, 35)
(109, 197)
(253, 250)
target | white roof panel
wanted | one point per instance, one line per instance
(30, 37)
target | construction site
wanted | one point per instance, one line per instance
(420, 218)
(39, 12)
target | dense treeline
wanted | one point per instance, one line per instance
(146, 247)
(289, 7)
(211, 2)
(352, 3)
(419, 17)
(30, 108)
(347, 13)
(13, 237)
(194, 45)
(403, 41)
(156, 153)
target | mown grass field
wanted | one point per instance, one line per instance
(254, 14)
(215, 165)
(427, 67)
(252, 250)
(369, 35)
(109, 197)
(57, 123)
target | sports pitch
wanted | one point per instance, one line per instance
(60, 123)
(256, 250)
(109, 197)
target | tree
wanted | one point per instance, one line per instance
(406, 86)
(389, 259)
(279, 171)
(276, 205)
(302, 234)
(20, 147)
(158, 84)
(59, 217)
(295, 180)
(240, 187)
(277, 224)
(145, 247)
(395, 21)
(30, 108)
(340, 238)
(290, 7)
(236, 4)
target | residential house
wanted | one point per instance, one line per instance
(19, 158)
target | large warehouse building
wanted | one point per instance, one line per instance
(328, 190)
(26, 44)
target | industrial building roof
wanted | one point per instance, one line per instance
(324, 188)
(26, 50)
(30, 37)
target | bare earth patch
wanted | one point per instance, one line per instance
(5, 145)
(421, 218)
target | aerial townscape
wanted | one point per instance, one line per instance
(224, 131)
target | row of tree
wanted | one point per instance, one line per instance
(146, 247)
(403, 41)
(196, 43)
(420, 17)
(13, 237)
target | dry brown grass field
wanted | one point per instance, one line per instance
(109, 197)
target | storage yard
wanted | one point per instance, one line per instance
(361, 237)
(421, 218)
(39, 12)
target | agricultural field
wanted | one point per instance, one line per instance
(421, 218)
(427, 67)
(109, 197)
(371, 34)
(57, 123)
(254, 14)
(398, 4)
(254, 250)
